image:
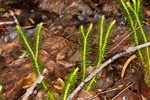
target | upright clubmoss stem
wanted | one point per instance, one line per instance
(84, 59)
(34, 55)
(84, 52)
(102, 46)
(134, 10)
(133, 28)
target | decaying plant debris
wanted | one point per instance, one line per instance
(59, 50)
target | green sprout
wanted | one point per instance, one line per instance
(2, 10)
(104, 37)
(85, 49)
(34, 54)
(70, 81)
(133, 12)
(1, 88)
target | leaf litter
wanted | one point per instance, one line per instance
(59, 48)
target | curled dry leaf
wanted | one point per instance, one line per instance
(27, 81)
(59, 84)
(126, 65)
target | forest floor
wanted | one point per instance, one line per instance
(60, 48)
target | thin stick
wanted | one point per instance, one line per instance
(31, 89)
(7, 23)
(129, 50)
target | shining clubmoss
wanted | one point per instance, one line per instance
(134, 13)
(34, 55)
(104, 37)
(70, 81)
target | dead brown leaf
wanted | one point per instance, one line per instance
(85, 95)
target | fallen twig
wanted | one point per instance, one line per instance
(7, 23)
(129, 50)
(31, 89)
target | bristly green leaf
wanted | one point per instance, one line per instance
(85, 49)
(50, 96)
(101, 39)
(38, 32)
(106, 39)
(102, 46)
(133, 26)
(70, 81)
(27, 44)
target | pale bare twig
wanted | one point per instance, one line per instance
(7, 22)
(31, 89)
(106, 63)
